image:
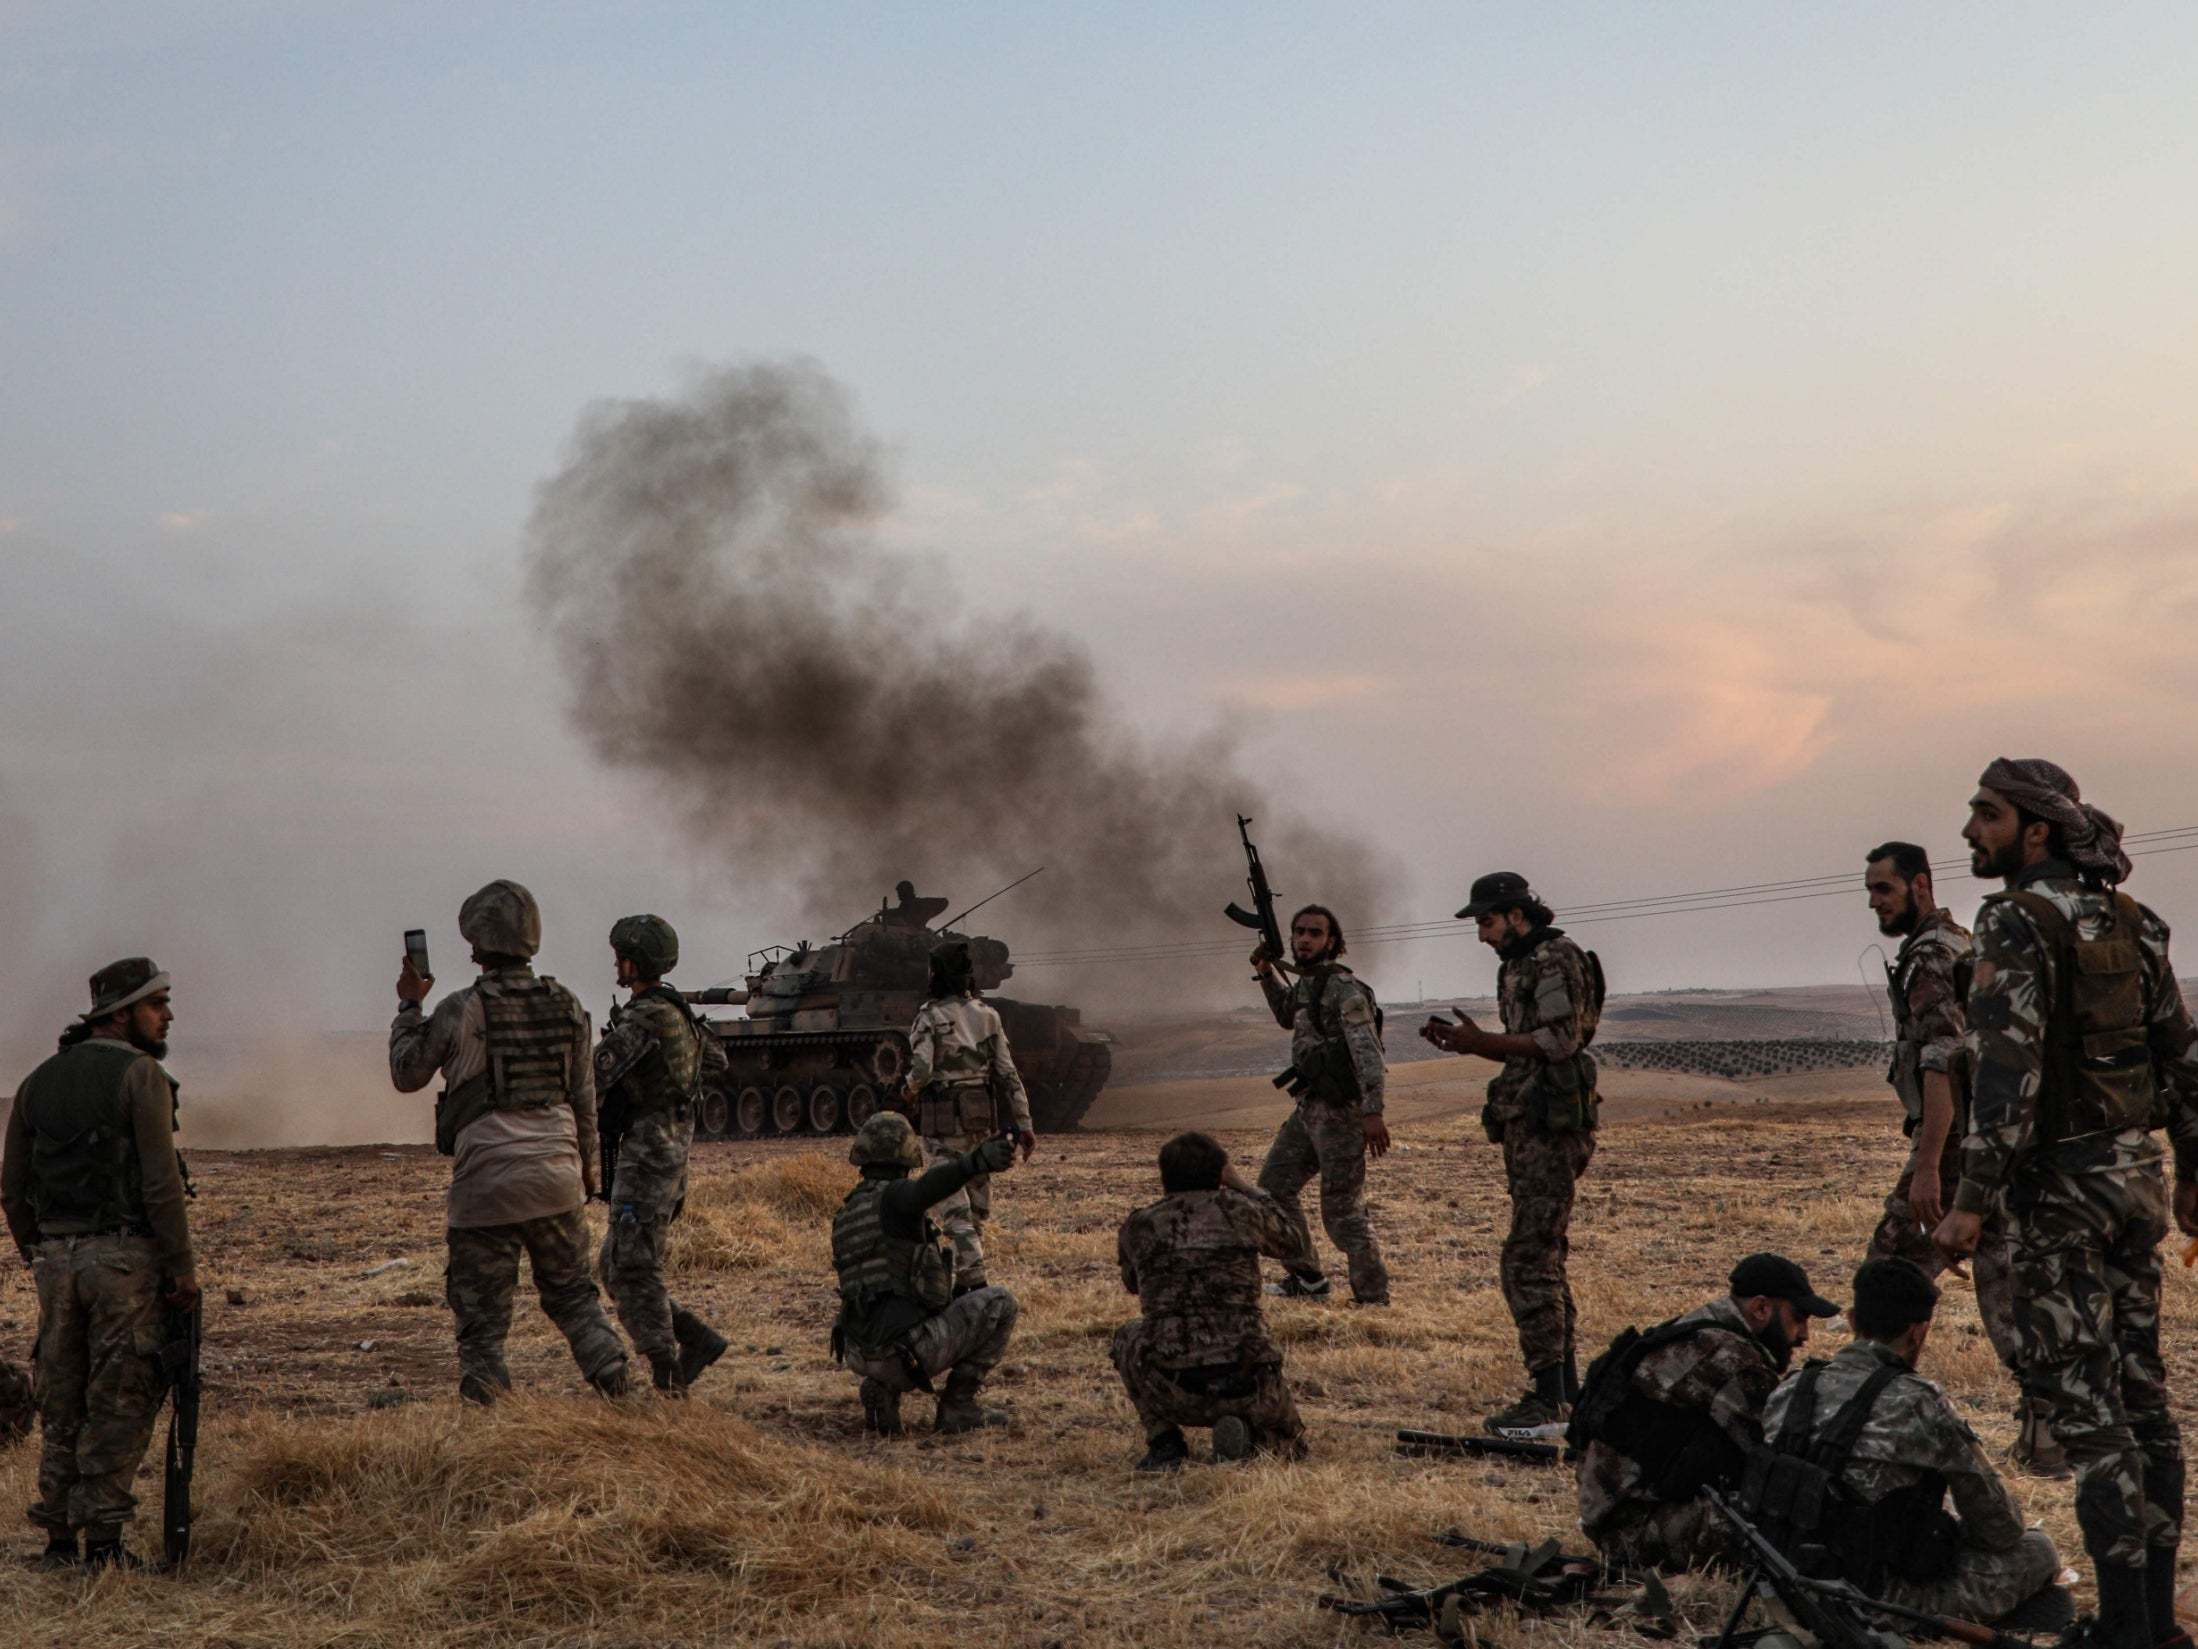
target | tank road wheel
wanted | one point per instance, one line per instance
(888, 1063)
(862, 1104)
(787, 1109)
(824, 1108)
(714, 1116)
(751, 1112)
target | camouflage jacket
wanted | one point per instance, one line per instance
(1543, 991)
(1346, 1008)
(961, 1039)
(2015, 986)
(649, 1022)
(1912, 1432)
(1724, 1371)
(1927, 982)
(1192, 1259)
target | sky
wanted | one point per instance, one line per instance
(1646, 447)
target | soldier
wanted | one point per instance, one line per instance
(902, 1319)
(1927, 981)
(959, 1072)
(1895, 1449)
(517, 1115)
(94, 1192)
(913, 913)
(2079, 1045)
(649, 1070)
(1199, 1355)
(1542, 1110)
(1668, 1411)
(1335, 1051)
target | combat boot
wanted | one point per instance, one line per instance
(1294, 1287)
(2167, 1631)
(1232, 1438)
(959, 1410)
(664, 1373)
(615, 1381)
(2122, 1621)
(1165, 1453)
(700, 1345)
(472, 1388)
(110, 1554)
(1539, 1414)
(881, 1409)
(60, 1552)
(2038, 1453)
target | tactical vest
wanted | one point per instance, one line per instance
(1793, 1491)
(666, 1077)
(2098, 1074)
(85, 1175)
(1678, 1450)
(530, 1025)
(874, 1264)
(1329, 1075)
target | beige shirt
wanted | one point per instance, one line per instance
(510, 1165)
(957, 1038)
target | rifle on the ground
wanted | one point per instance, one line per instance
(1533, 1577)
(179, 1352)
(1834, 1612)
(1261, 917)
(1443, 1444)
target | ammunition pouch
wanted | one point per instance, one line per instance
(1561, 1094)
(946, 1110)
(2099, 1075)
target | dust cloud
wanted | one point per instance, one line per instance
(819, 711)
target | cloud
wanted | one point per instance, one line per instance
(1300, 692)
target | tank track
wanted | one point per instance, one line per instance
(750, 1057)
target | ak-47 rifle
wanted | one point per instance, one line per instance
(179, 1351)
(1261, 917)
(1447, 1445)
(1834, 1612)
(1533, 1577)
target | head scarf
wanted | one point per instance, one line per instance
(2040, 787)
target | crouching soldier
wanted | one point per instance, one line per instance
(1669, 1410)
(1893, 1449)
(1199, 1355)
(901, 1321)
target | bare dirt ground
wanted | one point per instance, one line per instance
(346, 1498)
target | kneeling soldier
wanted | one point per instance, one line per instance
(900, 1320)
(1200, 1356)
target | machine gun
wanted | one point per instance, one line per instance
(179, 1351)
(1261, 917)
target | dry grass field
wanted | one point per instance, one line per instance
(347, 1499)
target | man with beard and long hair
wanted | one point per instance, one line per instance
(1673, 1409)
(2081, 1046)
(94, 1196)
(1927, 981)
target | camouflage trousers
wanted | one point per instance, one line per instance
(1985, 1586)
(99, 1380)
(1541, 1169)
(1330, 1141)
(647, 1192)
(1166, 1398)
(1670, 1536)
(483, 1275)
(961, 1217)
(2087, 1302)
(1899, 1237)
(965, 1342)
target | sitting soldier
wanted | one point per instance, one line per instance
(1199, 1355)
(1894, 1449)
(900, 1320)
(1677, 1407)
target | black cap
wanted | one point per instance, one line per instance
(1495, 891)
(1892, 1295)
(1779, 1278)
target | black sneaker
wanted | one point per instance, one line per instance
(700, 1345)
(1533, 1418)
(1294, 1287)
(1166, 1453)
(60, 1552)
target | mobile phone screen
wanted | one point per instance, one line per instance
(415, 946)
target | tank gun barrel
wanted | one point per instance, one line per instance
(988, 898)
(717, 996)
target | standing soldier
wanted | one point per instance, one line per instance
(517, 1116)
(649, 1070)
(1541, 1109)
(2081, 1046)
(1335, 1052)
(1927, 982)
(960, 1073)
(94, 1196)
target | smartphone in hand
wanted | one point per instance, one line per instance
(415, 950)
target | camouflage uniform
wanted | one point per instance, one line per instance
(1913, 1433)
(1723, 1371)
(1200, 1350)
(1927, 981)
(648, 1182)
(1326, 1134)
(1542, 1110)
(960, 1064)
(2088, 1207)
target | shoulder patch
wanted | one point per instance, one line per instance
(1357, 1009)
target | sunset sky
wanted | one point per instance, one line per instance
(1649, 447)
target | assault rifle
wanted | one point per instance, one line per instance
(1442, 1444)
(1834, 1612)
(179, 1352)
(1532, 1577)
(1261, 917)
(611, 1114)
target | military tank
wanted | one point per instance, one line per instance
(824, 1041)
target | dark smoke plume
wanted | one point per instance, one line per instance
(817, 714)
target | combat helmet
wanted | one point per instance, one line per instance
(648, 942)
(884, 1140)
(502, 919)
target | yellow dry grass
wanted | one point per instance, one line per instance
(759, 1512)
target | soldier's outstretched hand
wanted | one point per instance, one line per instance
(2186, 1207)
(1377, 1134)
(996, 1154)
